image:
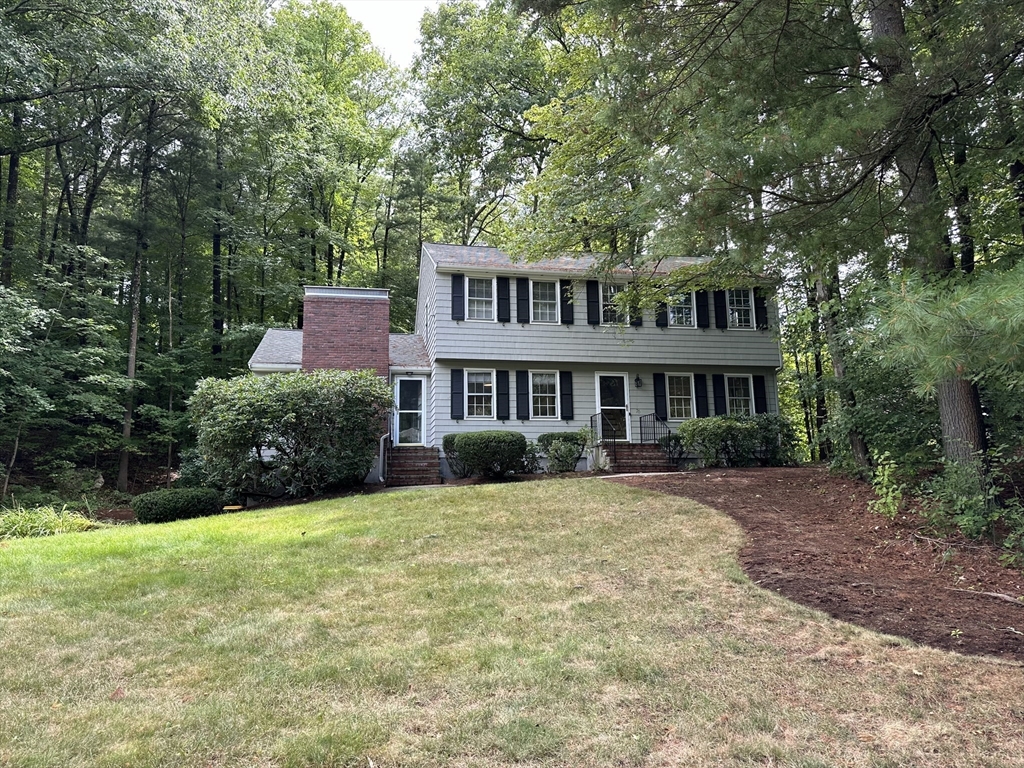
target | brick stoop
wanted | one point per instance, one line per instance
(634, 457)
(414, 466)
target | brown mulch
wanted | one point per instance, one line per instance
(811, 538)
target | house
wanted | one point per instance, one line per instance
(538, 347)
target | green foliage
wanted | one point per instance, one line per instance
(171, 504)
(493, 453)
(888, 490)
(451, 455)
(565, 449)
(304, 432)
(962, 497)
(19, 522)
(674, 447)
(735, 441)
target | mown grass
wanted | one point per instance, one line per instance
(558, 623)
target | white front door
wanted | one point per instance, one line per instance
(409, 428)
(613, 405)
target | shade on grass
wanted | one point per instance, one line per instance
(557, 623)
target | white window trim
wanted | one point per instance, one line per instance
(693, 397)
(597, 397)
(753, 311)
(558, 303)
(693, 312)
(494, 395)
(494, 301)
(423, 407)
(558, 397)
(750, 385)
(625, 318)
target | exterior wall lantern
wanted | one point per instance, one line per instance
(638, 382)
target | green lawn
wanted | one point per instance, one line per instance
(563, 623)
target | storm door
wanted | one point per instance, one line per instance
(613, 405)
(409, 411)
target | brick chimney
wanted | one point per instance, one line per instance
(346, 329)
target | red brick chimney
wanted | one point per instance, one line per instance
(346, 329)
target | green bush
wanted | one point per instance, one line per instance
(176, 504)
(451, 455)
(21, 522)
(492, 453)
(564, 449)
(736, 441)
(297, 433)
(674, 447)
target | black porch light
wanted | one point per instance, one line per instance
(638, 382)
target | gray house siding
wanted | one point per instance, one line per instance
(583, 343)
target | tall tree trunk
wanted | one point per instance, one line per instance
(962, 207)
(11, 204)
(139, 257)
(44, 205)
(820, 409)
(216, 348)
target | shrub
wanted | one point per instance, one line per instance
(963, 496)
(564, 449)
(888, 489)
(492, 453)
(736, 441)
(20, 522)
(300, 433)
(674, 447)
(451, 455)
(176, 504)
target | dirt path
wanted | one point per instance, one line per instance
(811, 538)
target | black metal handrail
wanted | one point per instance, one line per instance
(605, 431)
(652, 428)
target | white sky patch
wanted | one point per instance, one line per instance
(394, 25)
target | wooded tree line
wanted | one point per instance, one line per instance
(174, 172)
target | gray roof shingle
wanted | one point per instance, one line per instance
(279, 347)
(485, 257)
(407, 351)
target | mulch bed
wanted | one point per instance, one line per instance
(811, 538)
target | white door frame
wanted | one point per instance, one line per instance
(625, 390)
(423, 409)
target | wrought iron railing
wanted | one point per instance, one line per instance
(607, 434)
(652, 428)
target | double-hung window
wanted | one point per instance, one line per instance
(480, 394)
(545, 301)
(680, 396)
(741, 307)
(610, 312)
(480, 299)
(681, 312)
(544, 394)
(738, 392)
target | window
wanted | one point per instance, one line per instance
(480, 299)
(738, 393)
(544, 394)
(680, 396)
(741, 308)
(610, 312)
(545, 302)
(681, 312)
(479, 394)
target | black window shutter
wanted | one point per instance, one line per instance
(718, 385)
(661, 320)
(760, 395)
(636, 316)
(565, 394)
(703, 317)
(523, 395)
(660, 398)
(458, 297)
(700, 393)
(565, 291)
(760, 309)
(721, 313)
(522, 300)
(593, 302)
(501, 389)
(458, 394)
(504, 303)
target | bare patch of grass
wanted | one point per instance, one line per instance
(558, 623)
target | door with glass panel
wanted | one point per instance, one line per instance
(613, 405)
(409, 411)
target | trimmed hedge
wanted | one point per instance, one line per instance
(492, 453)
(564, 449)
(451, 455)
(735, 441)
(176, 504)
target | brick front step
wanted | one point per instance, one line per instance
(633, 457)
(414, 466)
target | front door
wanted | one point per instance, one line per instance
(409, 411)
(613, 405)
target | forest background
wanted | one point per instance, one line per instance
(173, 172)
